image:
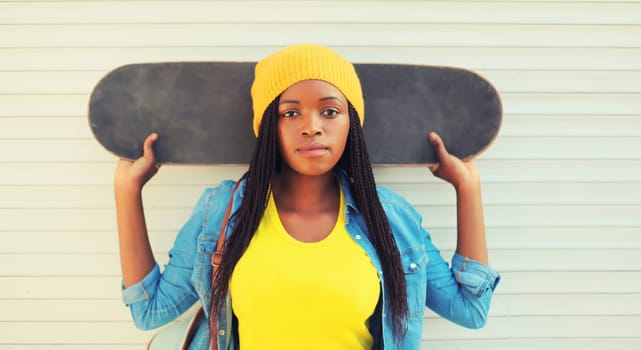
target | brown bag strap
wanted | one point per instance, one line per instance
(220, 245)
(216, 257)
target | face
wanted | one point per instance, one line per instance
(313, 125)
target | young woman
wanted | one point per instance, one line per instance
(316, 255)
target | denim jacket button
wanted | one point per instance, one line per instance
(222, 332)
(412, 266)
(358, 236)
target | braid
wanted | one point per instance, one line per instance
(355, 161)
(264, 163)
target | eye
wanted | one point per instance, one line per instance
(331, 112)
(289, 114)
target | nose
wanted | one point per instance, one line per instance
(312, 125)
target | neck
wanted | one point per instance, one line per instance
(302, 193)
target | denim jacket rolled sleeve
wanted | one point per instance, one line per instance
(462, 293)
(476, 278)
(142, 290)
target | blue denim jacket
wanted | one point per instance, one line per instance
(461, 294)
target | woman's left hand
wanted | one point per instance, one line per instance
(450, 168)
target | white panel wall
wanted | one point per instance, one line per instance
(562, 184)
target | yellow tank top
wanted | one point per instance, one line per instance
(288, 294)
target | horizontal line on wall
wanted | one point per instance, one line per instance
(333, 46)
(337, 46)
(303, 21)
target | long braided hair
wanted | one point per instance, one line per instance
(265, 162)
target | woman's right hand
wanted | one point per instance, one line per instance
(136, 256)
(133, 175)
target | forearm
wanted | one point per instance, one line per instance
(136, 256)
(471, 241)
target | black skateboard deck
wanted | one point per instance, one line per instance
(203, 113)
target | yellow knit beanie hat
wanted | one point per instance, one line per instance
(280, 70)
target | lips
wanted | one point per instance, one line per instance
(312, 150)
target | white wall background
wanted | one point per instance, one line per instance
(562, 184)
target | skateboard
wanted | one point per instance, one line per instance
(203, 113)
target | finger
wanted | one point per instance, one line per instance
(439, 146)
(148, 147)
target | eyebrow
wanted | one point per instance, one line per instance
(320, 99)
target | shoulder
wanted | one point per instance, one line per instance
(226, 187)
(394, 202)
(404, 220)
(212, 194)
(214, 200)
